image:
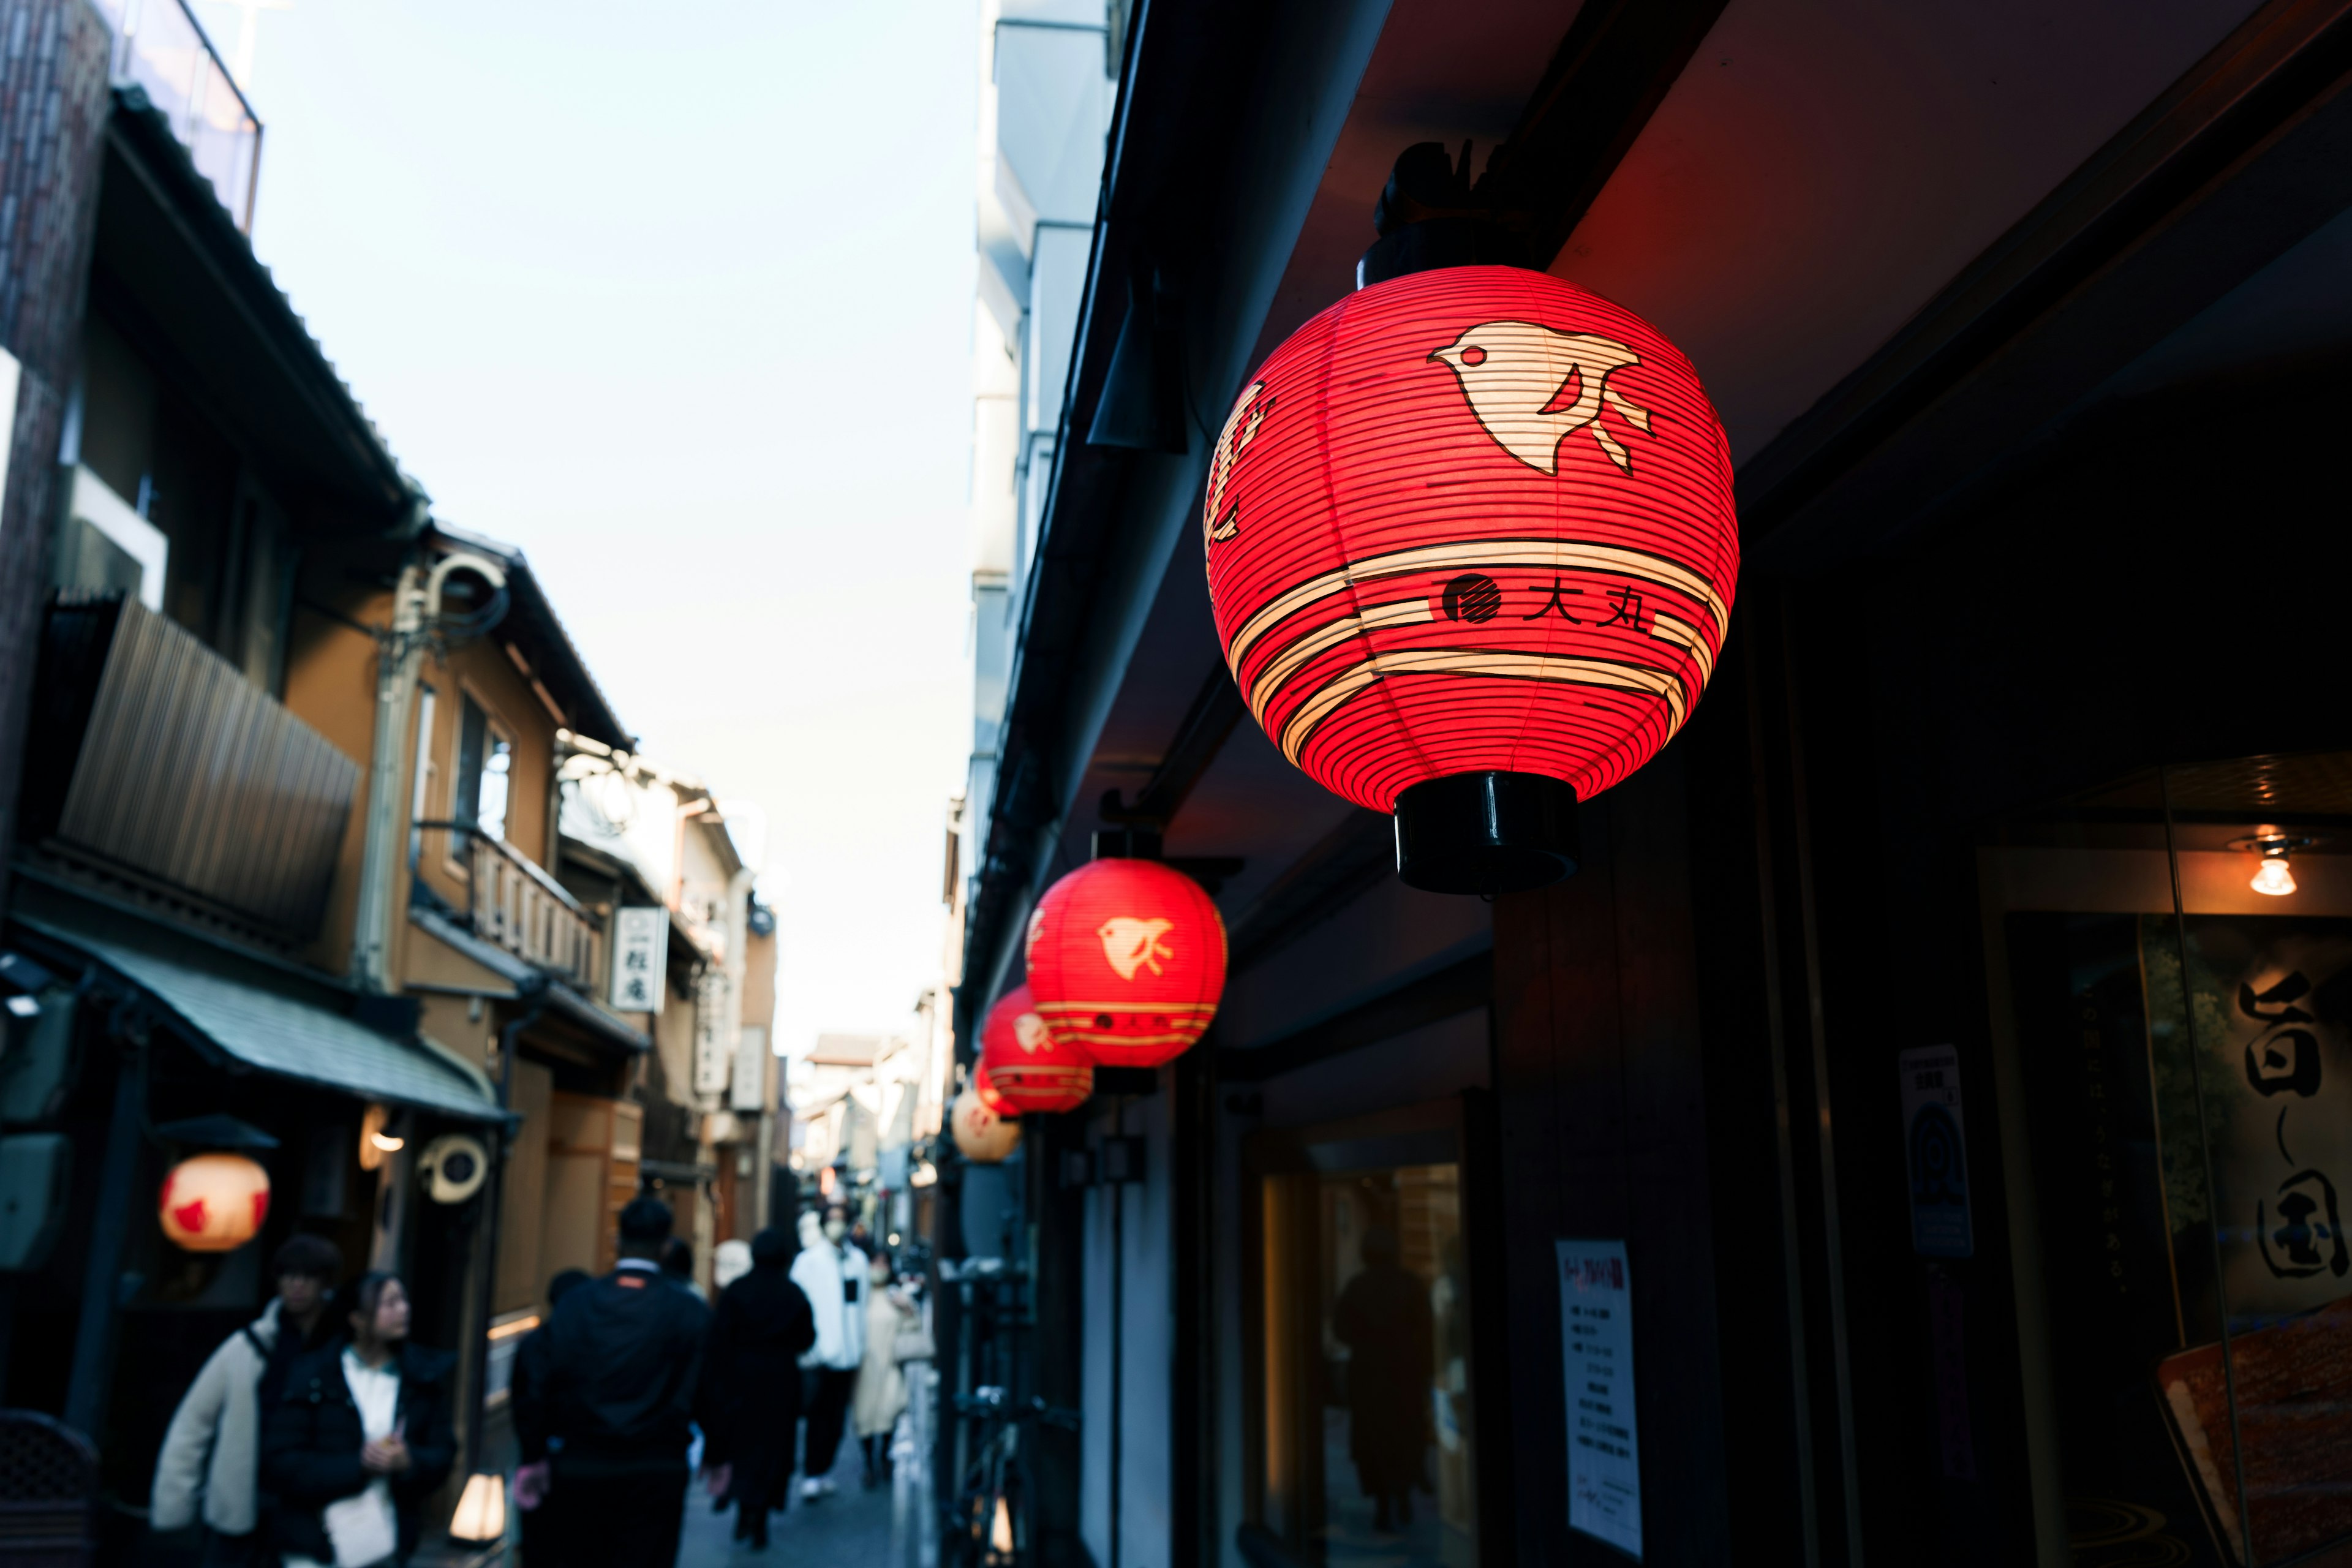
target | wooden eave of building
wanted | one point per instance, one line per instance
(173, 272)
(553, 660)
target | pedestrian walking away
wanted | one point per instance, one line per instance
(210, 1466)
(832, 1274)
(881, 1383)
(759, 1331)
(619, 1375)
(359, 1437)
(678, 1268)
(526, 1399)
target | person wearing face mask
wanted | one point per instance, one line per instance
(881, 1387)
(832, 1274)
(360, 1438)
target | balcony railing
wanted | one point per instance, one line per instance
(160, 45)
(152, 756)
(519, 907)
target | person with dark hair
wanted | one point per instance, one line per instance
(527, 1397)
(1384, 1319)
(758, 1331)
(621, 1382)
(361, 1436)
(832, 1274)
(677, 1267)
(211, 1457)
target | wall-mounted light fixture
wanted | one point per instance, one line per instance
(2274, 875)
(377, 1141)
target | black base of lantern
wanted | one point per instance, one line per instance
(1485, 833)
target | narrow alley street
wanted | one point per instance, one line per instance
(850, 1529)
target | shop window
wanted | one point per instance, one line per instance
(485, 758)
(1364, 1361)
(2175, 953)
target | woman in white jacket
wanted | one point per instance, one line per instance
(212, 1451)
(832, 1274)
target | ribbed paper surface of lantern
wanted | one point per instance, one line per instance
(981, 1135)
(983, 1084)
(1127, 961)
(1471, 519)
(214, 1202)
(1026, 1064)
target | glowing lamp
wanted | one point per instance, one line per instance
(1127, 962)
(481, 1516)
(1025, 1065)
(2274, 876)
(1472, 552)
(981, 1135)
(214, 1202)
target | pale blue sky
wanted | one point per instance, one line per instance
(678, 297)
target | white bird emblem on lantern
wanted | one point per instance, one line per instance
(1514, 374)
(1130, 944)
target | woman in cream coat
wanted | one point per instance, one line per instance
(881, 1387)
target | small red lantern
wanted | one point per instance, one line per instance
(1025, 1065)
(984, 1085)
(214, 1202)
(1127, 961)
(1472, 550)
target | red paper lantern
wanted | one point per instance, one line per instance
(214, 1202)
(1470, 532)
(983, 1088)
(1025, 1065)
(1127, 961)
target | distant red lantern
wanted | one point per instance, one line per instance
(1127, 962)
(983, 1088)
(1025, 1065)
(1472, 550)
(214, 1202)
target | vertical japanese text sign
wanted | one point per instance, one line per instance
(747, 1089)
(1604, 1456)
(714, 1036)
(640, 956)
(1936, 1154)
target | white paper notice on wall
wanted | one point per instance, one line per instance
(1604, 1455)
(1936, 1153)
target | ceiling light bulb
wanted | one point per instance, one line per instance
(2274, 877)
(388, 1143)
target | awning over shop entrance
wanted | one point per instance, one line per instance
(270, 1019)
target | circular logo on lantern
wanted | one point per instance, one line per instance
(1472, 520)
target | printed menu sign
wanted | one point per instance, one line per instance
(1937, 1152)
(1604, 1456)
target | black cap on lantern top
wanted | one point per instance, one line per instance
(1485, 833)
(1431, 216)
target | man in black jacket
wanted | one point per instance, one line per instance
(618, 1375)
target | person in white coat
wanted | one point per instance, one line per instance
(210, 1462)
(832, 1274)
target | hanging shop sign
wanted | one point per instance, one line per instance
(714, 1034)
(1127, 962)
(1028, 1068)
(1604, 1450)
(640, 959)
(1936, 1153)
(214, 1202)
(1472, 550)
(981, 1135)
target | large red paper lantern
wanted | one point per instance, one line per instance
(1472, 550)
(1028, 1068)
(214, 1202)
(1127, 961)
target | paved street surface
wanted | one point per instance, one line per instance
(850, 1529)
